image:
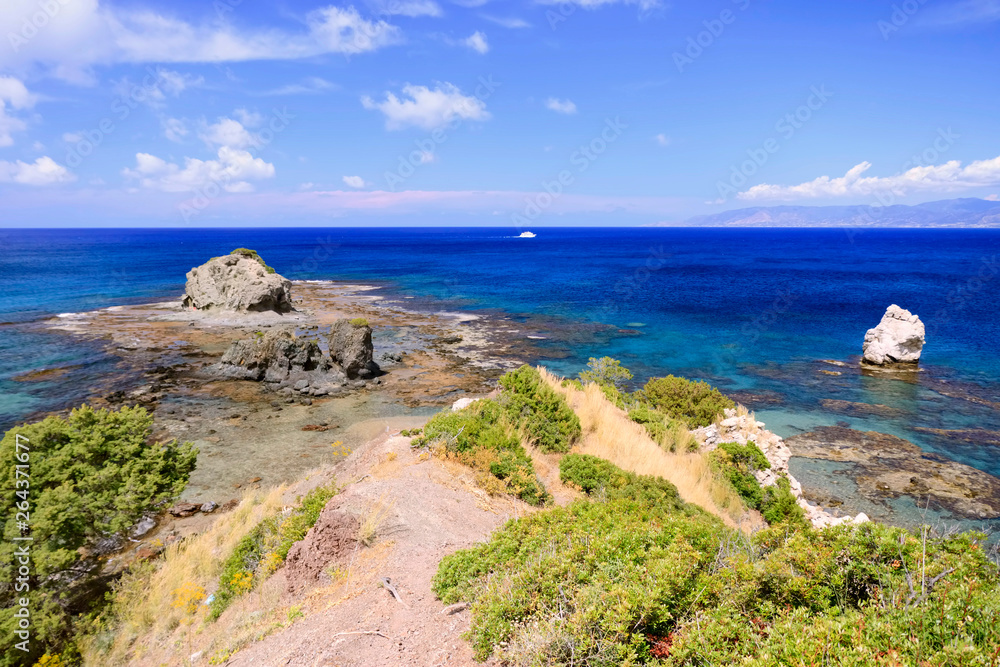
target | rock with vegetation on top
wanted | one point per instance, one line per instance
(351, 347)
(239, 282)
(276, 356)
(898, 339)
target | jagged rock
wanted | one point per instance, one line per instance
(272, 357)
(351, 348)
(209, 507)
(239, 283)
(898, 339)
(184, 510)
(462, 403)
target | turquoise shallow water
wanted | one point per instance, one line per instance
(749, 310)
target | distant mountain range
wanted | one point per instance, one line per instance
(945, 213)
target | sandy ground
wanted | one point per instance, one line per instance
(429, 508)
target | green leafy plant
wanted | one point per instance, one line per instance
(606, 372)
(542, 415)
(265, 548)
(696, 403)
(737, 463)
(252, 254)
(359, 322)
(93, 475)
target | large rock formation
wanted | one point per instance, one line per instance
(351, 348)
(287, 364)
(898, 339)
(240, 282)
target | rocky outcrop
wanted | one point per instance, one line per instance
(351, 348)
(743, 428)
(238, 282)
(885, 466)
(283, 361)
(898, 339)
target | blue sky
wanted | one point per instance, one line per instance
(480, 112)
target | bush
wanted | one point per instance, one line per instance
(778, 504)
(634, 580)
(542, 415)
(359, 322)
(483, 437)
(737, 463)
(266, 547)
(252, 254)
(696, 403)
(93, 475)
(606, 372)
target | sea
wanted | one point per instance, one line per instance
(756, 312)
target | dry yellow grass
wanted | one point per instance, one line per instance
(149, 622)
(609, 434)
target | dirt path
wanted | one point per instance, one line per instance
(428, 509)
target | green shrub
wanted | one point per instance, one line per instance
(252, 254)
(542, 415)
(634, 580)
(359, 322)
(737, 463)
(696, 403)
(265, 548)
(606, 372)
(778, 504)
(484, 437)
(92, 476)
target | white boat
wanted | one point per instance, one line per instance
(527, 235)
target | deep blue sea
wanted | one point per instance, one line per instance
(751, 310)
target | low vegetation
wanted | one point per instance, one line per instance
(84, 482)
(252, 254)
(634, 576)
(264, 549)
(359, 322)
(696, 403)
(738, 463)
(489, 435)
(606, 371)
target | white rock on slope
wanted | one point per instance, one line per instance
(898, 338)
(744, 428)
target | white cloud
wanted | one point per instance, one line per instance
(411, 8)
(507, 22)
(13, 93)
(43, 171)
(232, 133)
(426, 157)
(959, 14)
(427, 109)
(309, 85)
(560, 106)
(83, 33)
(993, 197)
(232, 172)
(477, 42)
(157, 86)
(354, 181)
(72, 137)
(175, 129)
(948, 177)
(663, 140)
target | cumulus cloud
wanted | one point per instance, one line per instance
(43, 171)
(948, 177)
(354, 181)
(560, 106)
(84, 33)
(15, 95)
(231, 132)
(477, 42)
(232, 172)
(427, 109)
